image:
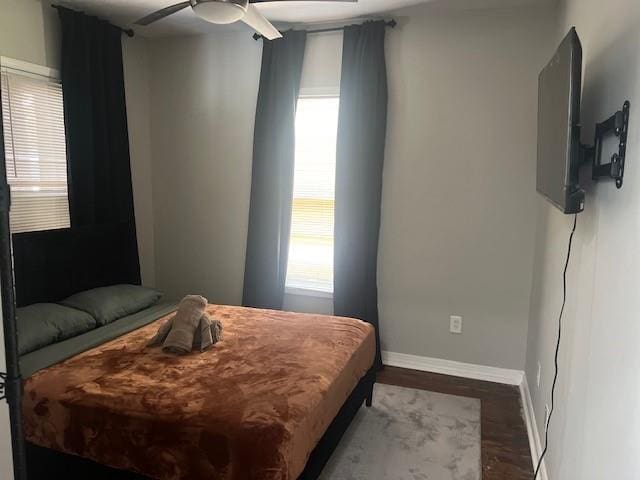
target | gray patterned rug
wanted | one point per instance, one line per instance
(410, 434)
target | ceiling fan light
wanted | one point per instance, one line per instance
(220, 11)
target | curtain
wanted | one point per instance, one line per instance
(359, 161)
(98, 164)
(272, 174)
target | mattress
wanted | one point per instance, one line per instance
(252, 407)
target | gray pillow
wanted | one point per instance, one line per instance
(107, 304)
(42, 324)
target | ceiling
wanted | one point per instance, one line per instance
(125, 12)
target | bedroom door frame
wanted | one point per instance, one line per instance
(11, 381)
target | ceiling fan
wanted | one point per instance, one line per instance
(227, 11)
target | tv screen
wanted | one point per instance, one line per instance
(559, 87)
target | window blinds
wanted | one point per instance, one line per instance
(35, 151)
(310, 263)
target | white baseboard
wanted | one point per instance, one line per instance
(535, 443)
(449, 367)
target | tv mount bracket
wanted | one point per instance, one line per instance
(618, 125)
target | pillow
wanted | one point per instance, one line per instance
(42, 324)
(107, 304)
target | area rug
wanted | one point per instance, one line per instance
(410, 434)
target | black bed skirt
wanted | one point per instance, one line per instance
(44, 463)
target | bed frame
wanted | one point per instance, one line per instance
(51, 265)
(330, 440)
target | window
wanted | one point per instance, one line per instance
(310, 264)
(35, 150)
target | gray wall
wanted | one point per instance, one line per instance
(203, 96)
(459, 182)
(136, 70)
(596, 431)
(29, 31)
(458, 201)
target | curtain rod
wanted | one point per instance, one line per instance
(391, 24)
(126, 31)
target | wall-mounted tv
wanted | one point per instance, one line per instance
(559, 151)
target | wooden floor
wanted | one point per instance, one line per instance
(505, 444)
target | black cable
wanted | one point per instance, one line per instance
(555, 375)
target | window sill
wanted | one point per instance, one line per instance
(303, 292)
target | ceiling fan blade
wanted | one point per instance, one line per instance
(256, 20)
(165, 12)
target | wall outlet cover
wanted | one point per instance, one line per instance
(455, 324)
(538, 375)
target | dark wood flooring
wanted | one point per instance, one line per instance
(505, 444)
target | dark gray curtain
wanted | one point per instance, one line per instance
(272, 175)
(98, 166)
(360, 157)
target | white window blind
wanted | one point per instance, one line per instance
(310, 264)
(35, 151)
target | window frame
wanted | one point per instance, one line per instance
(313, 92)
(29, 69)
(319, 92)
(307, 292)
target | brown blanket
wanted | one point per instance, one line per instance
(254, 407)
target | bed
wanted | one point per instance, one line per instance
(270, 401)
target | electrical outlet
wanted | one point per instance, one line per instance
(538, 375)
(455, 324)
(546, 416)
